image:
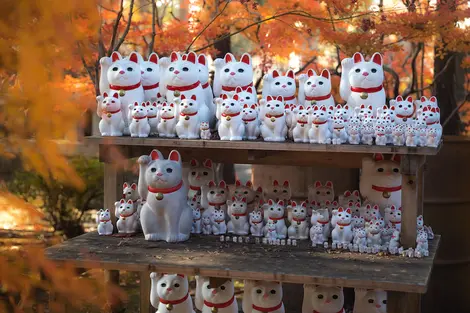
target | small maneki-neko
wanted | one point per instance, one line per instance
(273, 126)
(215, 295)
(404, 110)
(231, 126)
(170, 293)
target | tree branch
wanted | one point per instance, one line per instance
(306, 64)
(396, 78)
(115, 28)
(128, 26)
(154, 32)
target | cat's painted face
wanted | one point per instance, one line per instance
(353, 196)
(323, 193)
(256, 216)
(342, 112)
(282, 85)
(182, 70)
(249, 112)
(419, 221)
(204, 126)
(150, 70)
(431, 115)
(271, 225)
(218, 215)
(402, 107)
(266, 294)
(374, 227)
(206, 220)
(317, 229)
(361, 232)
(217, 294)
(274, 106)
(369, 120)
(200, 174)
(194, 202)
(422, 236)
(217, 194)
(203, 68)
(355, 121)
(111, 102)
(323, 215)
(299, 210)
(420, 124)
(234, 73)
(375, 301)
(189, 105)
(160, 99)
(237, 205)
(152, 110)
(395, 235)
(365, 110)
(358, 221)
(331, 205)
(196, 213)
(246, 96)
(276, 209)
(167, 110)
(424, 102)
(338, 122)
(124, 72)
(164, 173)
(229, 105)
(105, 215)
(244, 191)
(126, 207)
(373, 212)
(172, 286)
(344, 215)
(320, 114)
(385, 113)
(302, 113)
(138, 110)
(327, 299)
(395, 214)
(381, 172)
(387, 231)
(279, 192)
(366, 74)
(317, 86)
(129, 191)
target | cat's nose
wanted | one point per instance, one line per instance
(232, 73)
(169, 289)
(314, 85)
(284, 86)
(159, 174)
(378, 306)
(121, 72)
(227, 107)
(214, 292)
(365, 73)
(328, 301)
(177, 72)
(141, 72)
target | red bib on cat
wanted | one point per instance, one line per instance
(131, 87)
(274, 308)
(340, 311)
(389, 189)
(151, 86)
(228, 88)
(165, 190)
(173, 302)
(368, 90)
(204, 86)
(183, 88)
(319, 98)
(219, 305)
(289, 98)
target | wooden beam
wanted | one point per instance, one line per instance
(401, 302)
(145, 306)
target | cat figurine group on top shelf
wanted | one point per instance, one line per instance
(171, 97)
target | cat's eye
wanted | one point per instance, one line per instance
(273, 292)
(271, 209)
(234, 205)
(163, 285)
(277, 105)
(328, 192)
(259, 291)
(205, 173)
(232, 104)
(400, 106)
(320, 83)
(275, 190)
(208, 286)
(130, 69)
(149, 69)
(374, 70)
(398, 213)
(371, 301)
(358, 70)
(340, 215)
(190, 104)
(396, 170)
(384, 301)
(169, 170)
(185, 69)
(212, 192)
(226, 70)
(240, 70)
(309, 83)
(115, 68)
(251, 111)
(321, 114)
(318, 192)
(289, 83)
(222, 192)
(279, 209)
(153, 169)
(176, 285)
(409, 105)
(246, 192)
(193, 173)
(268, 105)
(247, 98)
(335, 297)
(320, 296)
(380, 170)
(222, 287)
(277, 83)
(284, 191)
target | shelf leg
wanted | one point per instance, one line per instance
(411, 197)
(111, 278)
(145, 306)
(401, 302)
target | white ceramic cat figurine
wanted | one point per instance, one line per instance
(347, 197)
(424, 102)
(343, 112)
(219, 227)
(398, 134)
(189, 119)
(279, 192)
(367, 135)
(170, 293)
(161, 184)
(246, 191)
(422, 243)
(246, 96)
(206, 225)
(109, 110)
(323, 299)
(129, 192)
(231, 126)
(203, 67)
(372, 212)
(196, 226)
(380, 180)
(360, 237)
(362, 82)
(315, 90)
(319, 126)
(394, 243)
(273, 127)
(214, 197)
(370, 301)
(262, 297)
(275, 213)
(256, 223)
(199, 175)
(340, 134)
(251, 121)
(411, 136)
(153, 117)
(433, 137)
(321, 193)
(374, 235)
(103, 219)
(150, 76)
(230, 74)
(205, 132)
(298, 228)
(215, 295)
(354, 132)
(302, 126)
(363, 111)
(128, 216)
(358, 222)
(139, 125)
(271, 231)
(432, 116)
(237, 211)
(275, 85)
(167, 124)
(404, 109)
(380, 132)
(395, 217)
(321, 217)
(316, 235)
(421, 130)
(342, 233)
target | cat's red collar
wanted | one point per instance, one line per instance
(276, 218)
(165, 190)
(436, 122)
(228, 88)
(173, 302)
(219, 221)
(388, 189)
(342, 127)
(204, 86)
(340, 224)
(275, 116)
(289, 98)
(168, 118)
(230, 114)
(323, 223)
(249, 120)
(340, 311)
(188, 114)
(319, 123)
(395, 223)
(113, 112)
(319, 98)
(196, 219)
(195, 188)
(405, 116)
(104, 221)
(139, 117)
(267, 310)
(126, 215)
(151, 116)
(368, 90)
(219, 305)
(302, 122)
(255, 222)
(183, 88)
(216, 203)
(131, 87)
(148, 87)
(238, 214)
(298, 219)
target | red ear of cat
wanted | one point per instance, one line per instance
(228, 58)
(184, 57)
(175, 156)
(396, 158)
(318, 184)
(340, 209)
(249, 89)
(275, 74)
(377, 58)
(323, 109)
(238, 89)
(311, 73)
(423, 99)
(134, 186)
(286, 107)
(275, 183)
(246, 58)
(270, 202)
(327, 202)
(115, 56)
(249, 184)
(222, 184)
(385, 107)
(193, 97)
(136, 104)
(293, 203)
(224, 96)
(253, 107)
(153, 58)
(174, 57)
(301, 107)
(236, 97)
(280, 98)
(433, 99)
(192, 57)
(370, 107)
(211, 183)
(116, 95)
(154, 155)
(329, 184)
(201, 59)
(133, 57)
(245, 106)
(125, 185)
(259, 189)
(347, 193)
(357, 57)
(290, 74)
(154, 104)
(409, 99)
(233, 199)
(304, 204)
(378, 157)
(356, 193)
(193, 162)
(399, 98)
(286, 183)
(208, 163)
(348, 211)
(238, 183)
(171, 105)
(269, 98)
(244, 199)
(129, 201)
(363, 106)
(338, 107)
(326, 74)
(183, 97)
(105, 95)
(122, 201)
(280, 202)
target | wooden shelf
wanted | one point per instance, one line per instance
(205, 255)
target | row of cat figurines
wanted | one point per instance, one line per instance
(170, 293)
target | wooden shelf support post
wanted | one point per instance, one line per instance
(145, 306)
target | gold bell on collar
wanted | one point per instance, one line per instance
(169, 306)
(176, 93)
(122, 93)
(364, 95)
(386, 194)
(159, 196)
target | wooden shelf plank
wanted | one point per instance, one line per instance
(204, 255)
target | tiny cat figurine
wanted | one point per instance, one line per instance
(273, 127)
(370, 301)
(411, 136)
(362, 82)
(279, 192)
(103, 219)
(298, 228)
(395, 217)
(347, 197)
(387, 233)
(363, 111)
(384, 112)
(251, 121)
(422, 243)
(215, 295)
(230, 74)
(128, 216)
(218, 222)
(423, 102)
(275, 85)
(159, 100)
(432, 116)
(404, 110)
(322, 299)
(189, 119)
(398, 134)
(129, 192)
(275, 213)
(152, 117)
(342, 112)
(374, 234)
(238, 223)
(342, 233)
(161, 184)
(368, 131)
(167, 124)
(372, 212)
(246, 96)
(360, 237)
(271, 231)
(150, 76)
(231, 126)
(196, 226)
(199, 175)
(245, 191)
(433, 137)
(380, 132)
(256, 223)
(380, 180)
(317, 236)
(358, 222)
(340, 134)
(203, 67)
(354, 132)
(315, 90)
(206, 225)
(214, 197)
(262, 297)
(109, 110)
(321, 193)
(321, 217)
(421, 130)
(319, 131)
(302, 126)
(205, 132)
(394, 243)
(170, 293)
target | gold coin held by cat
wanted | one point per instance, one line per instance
(176, 93)
(169, 306)
(386, 194)
(122, 93)
(273, 119)
(313, 102)
(186, 118)
(364, 95)
(159, 196)
(109, 115)
(214, 309)
(228, 118)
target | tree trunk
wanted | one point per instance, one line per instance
(222, 47)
